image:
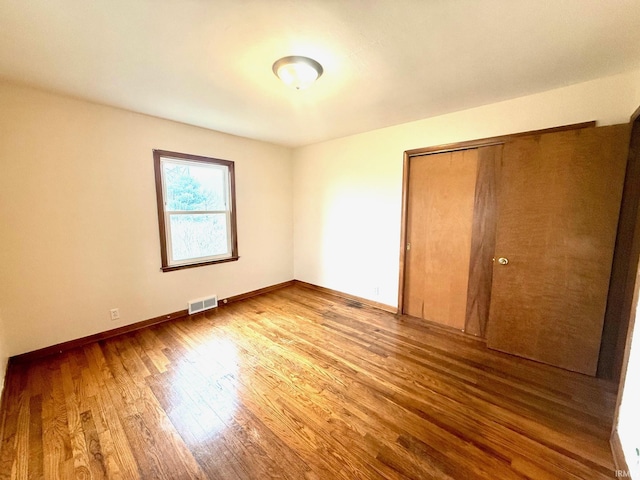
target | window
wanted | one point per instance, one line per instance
(196, 210)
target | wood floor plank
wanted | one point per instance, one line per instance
(94, 448)
(36, 467)
(160, 451)
(211, 453)
(289, 397)
(296, 435)
(14, 389)
(79, 448)
(56, 435)
(513, 393)
(385, 399)
(500, 440)
(20, 470)
(300, 384)
(119, 459)
(516, 392)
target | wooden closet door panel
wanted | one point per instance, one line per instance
(483, 240)
(439, 227)
(559, 200)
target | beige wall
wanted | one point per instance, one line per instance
(79, 226)
(4, 354)
(347, 192)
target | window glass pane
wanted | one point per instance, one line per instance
(194, 187)
(198, 235)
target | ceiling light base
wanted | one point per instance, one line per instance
(297, 72)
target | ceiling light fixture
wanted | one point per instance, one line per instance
(297, 72)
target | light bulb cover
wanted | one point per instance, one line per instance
(297, 72)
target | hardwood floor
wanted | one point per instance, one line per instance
(301, 384)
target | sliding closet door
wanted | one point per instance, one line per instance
(439, 229)
(559, 199)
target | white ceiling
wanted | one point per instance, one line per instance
(208, 62)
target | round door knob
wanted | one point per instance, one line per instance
(503, 261)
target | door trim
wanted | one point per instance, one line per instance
(450, 147)
(614, 440)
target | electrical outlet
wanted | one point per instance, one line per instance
(115, 313)
(376, 291)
